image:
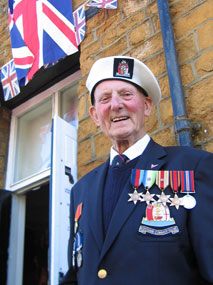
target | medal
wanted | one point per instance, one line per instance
(187, 186)
(174, 179)
(79, 258)
(162, 181)
(136, 180)
(148, 181)
(176, 201)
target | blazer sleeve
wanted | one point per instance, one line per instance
(201, 217)
(70, 277)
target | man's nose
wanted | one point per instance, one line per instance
(116, 102)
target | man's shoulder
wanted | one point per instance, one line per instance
(186, 150)
(183, 153)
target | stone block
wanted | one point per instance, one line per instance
(117, 48)
(76, 4)
(204, 34)
(186, 49)
(102, 145)
(88, 39)
(81, 108)
(115, 32)
(199, 99)
(82, 85)
(186, 74)
(84, 151)
(151, 122)
(209, 146)
(164, 85)
(132, 6)
(193, 19)
(2, 163)
(140, 33)
(157, 64)
(204, 64)
(2, 180)
(86, 62)
(86, 127)
(148, 48)
(110, 23)
(165, 137)
(178, 8)
(166, 112)
(96, 21)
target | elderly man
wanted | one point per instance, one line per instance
(144, 216)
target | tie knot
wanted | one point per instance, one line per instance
(119, 160)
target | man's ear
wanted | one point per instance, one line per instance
(93, 115)
(148, 106)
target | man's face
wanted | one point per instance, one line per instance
(120, 109)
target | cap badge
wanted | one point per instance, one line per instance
(123, 68)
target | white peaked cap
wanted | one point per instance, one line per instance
(124, 68)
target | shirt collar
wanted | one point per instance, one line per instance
(134, 150)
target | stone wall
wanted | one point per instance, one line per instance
(134, 29)
(4, 137)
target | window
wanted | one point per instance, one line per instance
(30, 135)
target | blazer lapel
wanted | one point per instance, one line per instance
(95, 203)
(150, 159)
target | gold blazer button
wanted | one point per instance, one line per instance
(102, 273)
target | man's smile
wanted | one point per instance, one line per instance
(117, 119)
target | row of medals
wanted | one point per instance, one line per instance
(77, 243)
(187, 201)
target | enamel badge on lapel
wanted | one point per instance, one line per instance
(77, 242)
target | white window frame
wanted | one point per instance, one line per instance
(42, 176)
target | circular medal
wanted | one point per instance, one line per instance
(189, 202)
(79, 259)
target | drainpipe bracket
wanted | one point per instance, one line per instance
(182, 125)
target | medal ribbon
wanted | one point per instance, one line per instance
(149, 178)
(187, 181)
(78, 212)
(136, 177)
(174, 178)
(78, 241)
(162, 178)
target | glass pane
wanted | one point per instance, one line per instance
(69, 105)
(33, 141)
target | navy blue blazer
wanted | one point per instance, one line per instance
(131, 257)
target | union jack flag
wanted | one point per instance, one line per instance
(9, 80)
(42, 32)
(107, 4)
(80, 24)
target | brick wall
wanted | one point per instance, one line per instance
(134, 29)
